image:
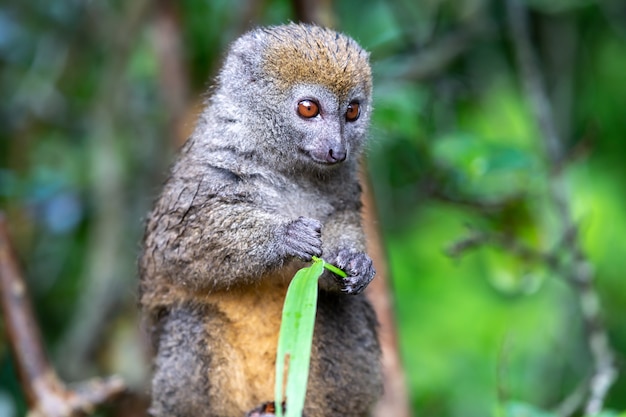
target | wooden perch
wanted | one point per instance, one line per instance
(46, 394)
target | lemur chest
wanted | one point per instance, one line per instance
(295, 201)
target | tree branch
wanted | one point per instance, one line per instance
(395, 400)
(478, 238)
(46, 395)
(481, 205)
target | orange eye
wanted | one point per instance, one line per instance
(308, 109)
(353, 112)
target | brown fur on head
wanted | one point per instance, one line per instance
(311, 54)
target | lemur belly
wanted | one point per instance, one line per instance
(244, 364)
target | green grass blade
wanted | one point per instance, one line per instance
(331, 267)
(295, 339)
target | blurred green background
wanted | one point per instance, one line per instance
(97, 96)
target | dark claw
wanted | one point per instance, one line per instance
(359, 268)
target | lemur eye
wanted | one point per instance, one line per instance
(353, 112)
(308, 109)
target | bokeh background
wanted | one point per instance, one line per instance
(482, 228)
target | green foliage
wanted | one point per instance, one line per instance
(484, 168)
(492, 325)
(608, 413)
(519, 409)
(516, 409)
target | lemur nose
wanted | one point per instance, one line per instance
(336, 155)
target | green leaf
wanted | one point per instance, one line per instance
(332, 268)
(295, 339)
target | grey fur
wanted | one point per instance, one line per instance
(248, 200)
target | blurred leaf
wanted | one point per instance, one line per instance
(511, 275)
(398, 109)
(484, 167)
(7, 405)
(609, 413)
(518, 409)
(8, 183)
(499, 114)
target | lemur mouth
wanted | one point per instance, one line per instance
(328, 161)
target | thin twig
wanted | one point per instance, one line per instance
(46, 394)
(532, 79)
(477, 204)
(477, 239)
(579, 272)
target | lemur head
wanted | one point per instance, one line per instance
(306, 89)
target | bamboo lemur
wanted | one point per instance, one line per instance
(267, 180)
